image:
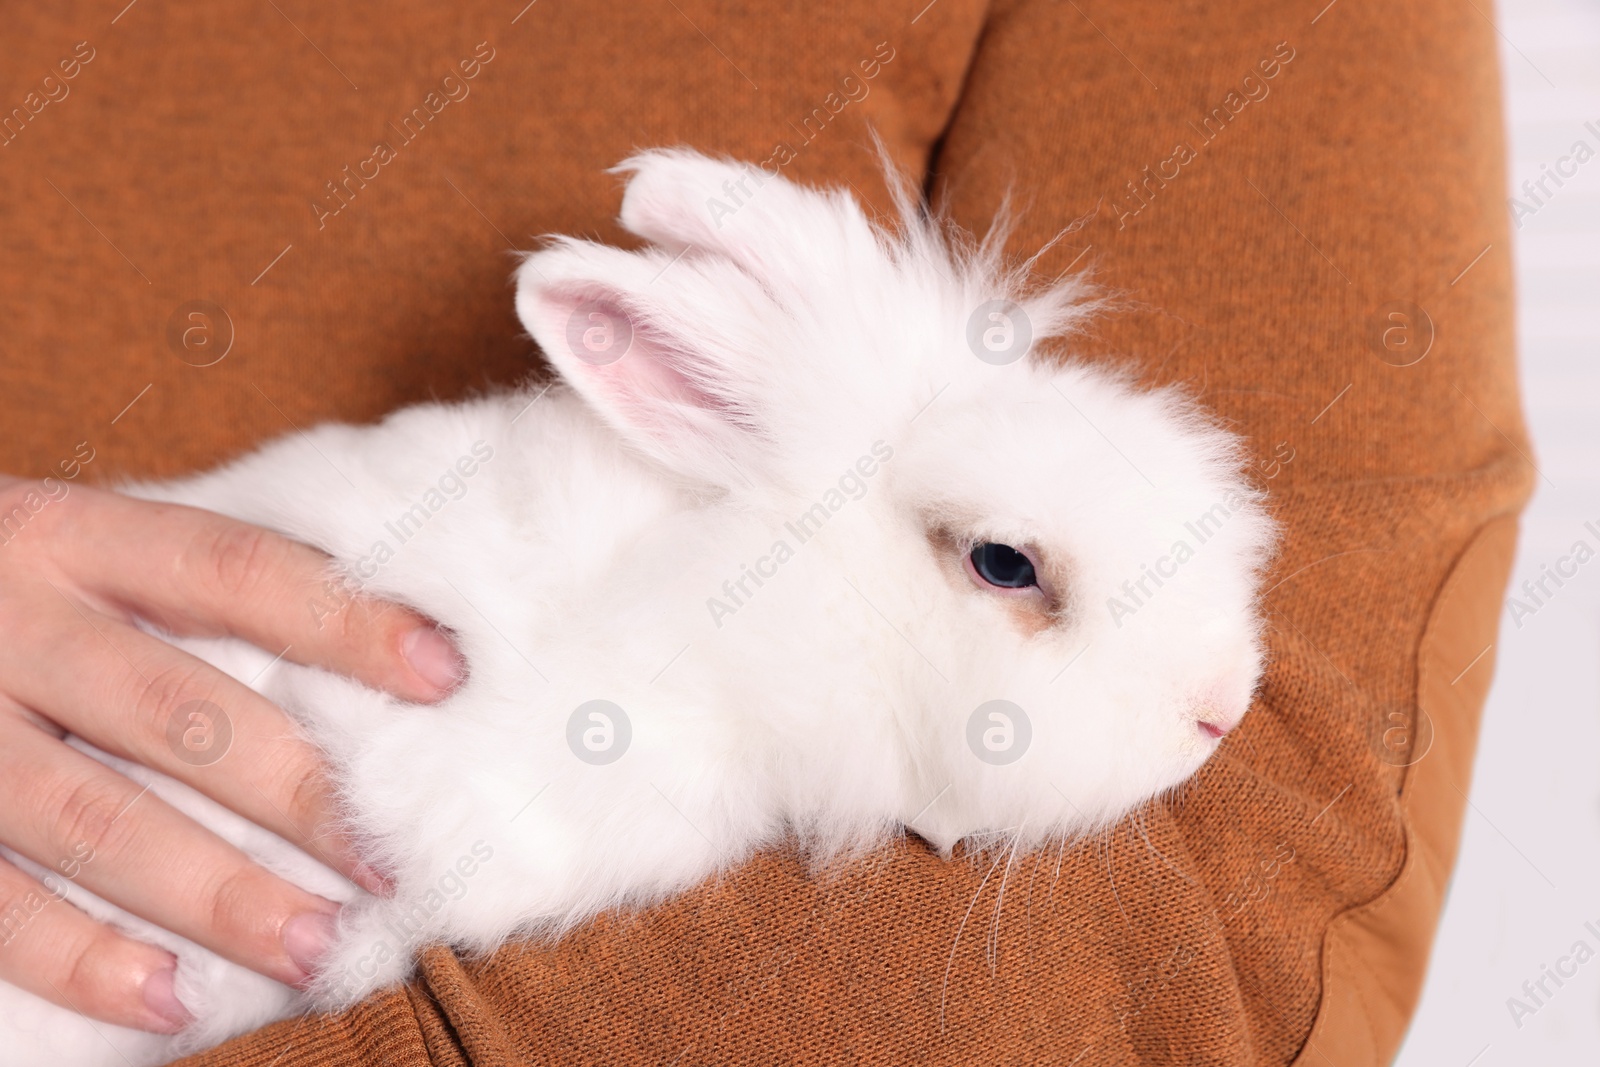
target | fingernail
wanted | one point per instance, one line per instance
(307, 938)
(372, 880)
(433, 657)
(162, 999)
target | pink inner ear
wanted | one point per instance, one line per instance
(655, 378)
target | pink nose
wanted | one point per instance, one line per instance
(1213, 730)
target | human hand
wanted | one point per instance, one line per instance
(74, 573)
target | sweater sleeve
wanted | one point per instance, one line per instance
(1303, 211)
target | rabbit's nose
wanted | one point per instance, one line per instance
(1216, 720)
(1218, 709)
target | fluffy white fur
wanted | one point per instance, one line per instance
(773, 349)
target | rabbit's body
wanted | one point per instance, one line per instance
(751, 536)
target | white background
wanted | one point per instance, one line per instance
(1529, 872)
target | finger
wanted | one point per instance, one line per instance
(177, 714)
(195, 572)
(56, 952)
(131, 848)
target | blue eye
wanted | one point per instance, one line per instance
(1003, 566)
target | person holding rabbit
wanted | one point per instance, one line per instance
(172, 301)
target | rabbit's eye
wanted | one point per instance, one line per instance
(1003, 566)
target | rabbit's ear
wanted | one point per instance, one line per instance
(664, 350)
(775, 229)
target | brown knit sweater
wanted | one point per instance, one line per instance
(1304, 209)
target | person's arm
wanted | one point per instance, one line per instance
(1304, 208)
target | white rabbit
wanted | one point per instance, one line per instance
(808, 540)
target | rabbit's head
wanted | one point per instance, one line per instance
(1068, 564)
